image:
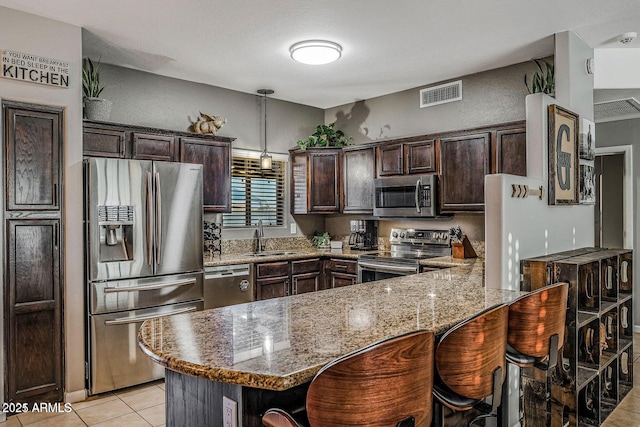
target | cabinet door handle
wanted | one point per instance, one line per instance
(55, 195)
(286, 286)
(56, 236)
(294, 290)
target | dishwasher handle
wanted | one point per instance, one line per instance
(217, 273)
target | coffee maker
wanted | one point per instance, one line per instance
(364, 234)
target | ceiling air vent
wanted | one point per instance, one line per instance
(441, 94)
(617, 109)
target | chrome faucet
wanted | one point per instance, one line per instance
(260, 236)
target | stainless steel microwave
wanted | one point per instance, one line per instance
(405, 196)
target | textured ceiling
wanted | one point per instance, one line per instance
(388, 46)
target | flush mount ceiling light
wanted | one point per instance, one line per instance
(315, 52)
(626, 38)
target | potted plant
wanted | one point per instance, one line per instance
(322, 241)
(95, 108)
(325, 136)
(542, 80)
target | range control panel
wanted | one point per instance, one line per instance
(419, 237)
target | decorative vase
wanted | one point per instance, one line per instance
(97, 109)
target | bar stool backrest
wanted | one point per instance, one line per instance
(468, 354)
(380, 385)
(535, 317)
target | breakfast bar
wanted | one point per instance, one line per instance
(265, 353)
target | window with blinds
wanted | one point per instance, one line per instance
(256, 194)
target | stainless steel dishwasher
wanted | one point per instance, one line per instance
(227, 285)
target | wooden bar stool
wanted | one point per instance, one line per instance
(536, 327)
(470, 364)
(536, 331)
(385, 384)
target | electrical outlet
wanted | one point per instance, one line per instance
(293, 227)
(229, 412)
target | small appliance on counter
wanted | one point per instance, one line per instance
(364, 235)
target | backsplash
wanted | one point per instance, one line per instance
(241, 246)
(212, 238)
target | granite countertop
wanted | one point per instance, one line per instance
(230, 259)
(278, 255)
(279, 343)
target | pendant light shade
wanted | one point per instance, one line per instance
(265, 158)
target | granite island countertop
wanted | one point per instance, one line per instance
(280, 343)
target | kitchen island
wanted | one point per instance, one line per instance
(264, 353)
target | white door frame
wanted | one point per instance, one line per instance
(627, 198)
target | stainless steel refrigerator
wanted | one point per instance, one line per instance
(144, 259)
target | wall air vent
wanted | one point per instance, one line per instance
(617, 109)
(441, 94)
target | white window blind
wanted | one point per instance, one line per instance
(255, 194)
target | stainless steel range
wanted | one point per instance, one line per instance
(408, 247)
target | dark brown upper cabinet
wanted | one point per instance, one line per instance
(406, 156)
(464, 162)
(215, 156)
(141, 143)
(100, 142)
(359, 173)
(33, 157)
(420, 157)
(511, 151)
(390, 159)
(154, 147)
(316, 175)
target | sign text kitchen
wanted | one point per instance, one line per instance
(35, 69)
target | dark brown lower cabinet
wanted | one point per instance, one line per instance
(342, 272)
(33, 275)
(306, 276)
(35, 312)
(282, 278)
(272, 279)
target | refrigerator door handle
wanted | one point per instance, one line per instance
(151, 287)
(127, 320)
(148, 226)
(158, 219)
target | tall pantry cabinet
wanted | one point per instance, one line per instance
(32, 262)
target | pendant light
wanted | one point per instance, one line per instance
(265, 158)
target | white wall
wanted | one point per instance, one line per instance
(519, 228)
(617, 68)
(28, 33)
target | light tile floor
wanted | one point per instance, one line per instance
(144, 406)
(141, 406)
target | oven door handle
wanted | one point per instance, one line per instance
(127, 320)
(378, 267)
(418, 196)
(151, 287)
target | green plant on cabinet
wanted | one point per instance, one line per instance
(325, 136)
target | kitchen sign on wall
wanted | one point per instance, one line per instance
(35, 69)
(563, 156)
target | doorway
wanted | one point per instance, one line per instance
(614, 207)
